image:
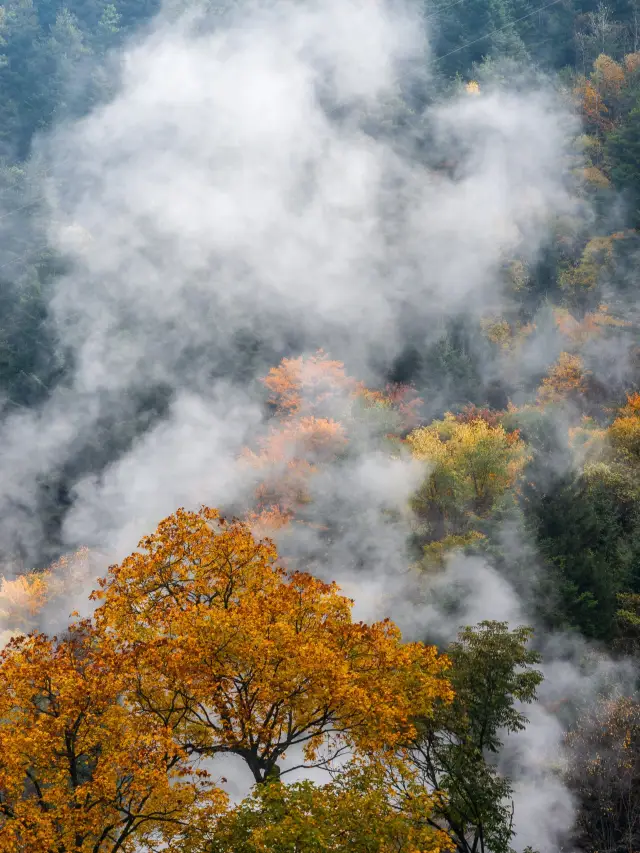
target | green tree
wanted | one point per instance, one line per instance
(627, 630)
(581, 536)
(623, 154)
(492, 669)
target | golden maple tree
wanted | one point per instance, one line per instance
(237, 656)
(81, 769)
(201, 645)
(599, 95)
(609, 75)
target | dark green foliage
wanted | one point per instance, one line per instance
(623, 153)
(28, 363)
(492, 670)
(579, 533)
(627, 628)
(585, 528)
(50, 56)
(477, 22)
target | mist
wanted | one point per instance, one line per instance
(255, 188)
(229, 206)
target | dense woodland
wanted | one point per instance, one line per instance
(209, 641)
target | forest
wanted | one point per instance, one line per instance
(319, 426)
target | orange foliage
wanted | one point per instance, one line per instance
(593, 106)
(314, 401)
(81, 770)
(472, 413)
(23, 597)
(267, 520)
(566, 379)
(304, 385)
(237, 656)
(201, 645)
(624, 432)
(592, 324)
(632, 407)
(599, 95)
(608, 75)
(400, 397)
(315, 438)
(315, 384)
(289, 456)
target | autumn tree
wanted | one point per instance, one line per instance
(288, 457)
(307, 386)
(81, 770)
(395, 407)
(471, 465)
(594, 106)
(320, 412)
(624, 432)
(604, 775)
(603, 95)
(21, 600)
(23, 597)
(309, 397)
(608, 102)
(236, 656)
(592, 325)
(580, 281)
(470, 413)
(566, 380)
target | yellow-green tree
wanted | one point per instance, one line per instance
(624, 432)
(471, 464)
(360, 809)
(581, 280)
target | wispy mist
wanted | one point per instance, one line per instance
(256, 188)
(229, 205)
